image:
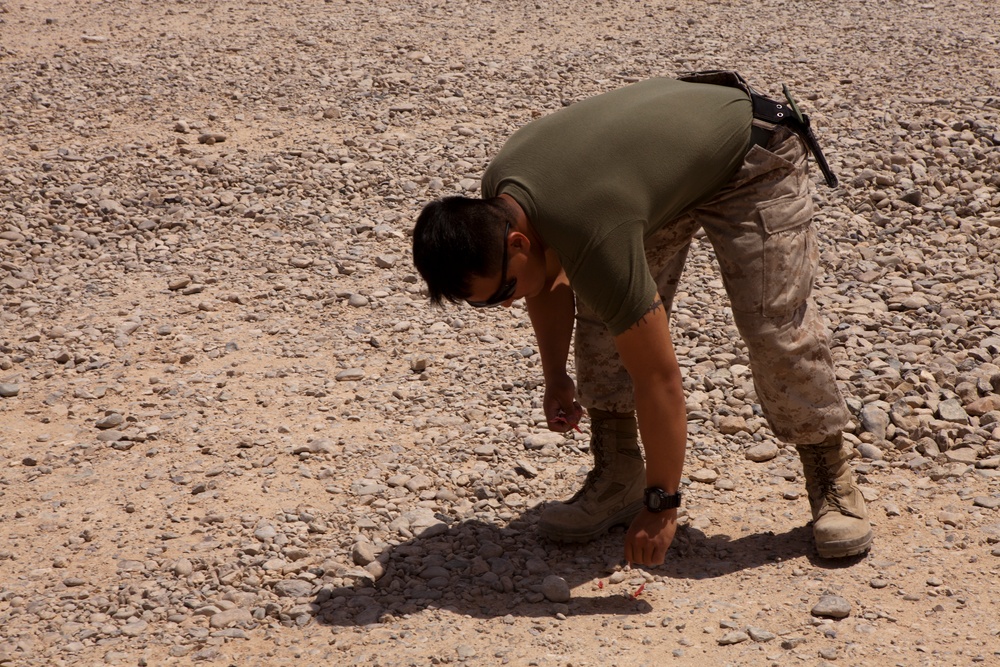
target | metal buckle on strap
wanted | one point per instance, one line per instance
(789, 115)
(769, 111)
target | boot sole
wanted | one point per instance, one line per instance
(560, 534)
(845, 548)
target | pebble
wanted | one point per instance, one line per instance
(875, 420)
(704, 475)
(762, 452)
(870, 451)
(230, 617)
(831, 606)
(760, 635)
(183, 567)
(987, 502)
(294, 588)
(555, 589)
(9, 390)
(734, 637)
(537, 441)
(110, 421)
(265, 532)
(363, 553)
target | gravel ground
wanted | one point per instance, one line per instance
(232, 431)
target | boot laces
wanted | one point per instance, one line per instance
(600, 463)
(821, 473)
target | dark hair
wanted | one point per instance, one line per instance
(456, 238)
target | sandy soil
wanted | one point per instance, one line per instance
(232, 431)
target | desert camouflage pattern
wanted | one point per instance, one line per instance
(760, 227)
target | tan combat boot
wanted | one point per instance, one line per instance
(840, 521)
(611, 494)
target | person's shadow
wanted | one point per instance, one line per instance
(484, 570)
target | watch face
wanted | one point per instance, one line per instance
(654, 499)
(657, 500)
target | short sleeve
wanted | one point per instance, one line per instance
(612, 277)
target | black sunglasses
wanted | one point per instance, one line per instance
(507, 288)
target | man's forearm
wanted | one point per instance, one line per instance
(648, 353)
(662, 415)
(552, 314)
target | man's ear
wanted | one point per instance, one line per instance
(520, 242)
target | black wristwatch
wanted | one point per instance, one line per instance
(656, 499)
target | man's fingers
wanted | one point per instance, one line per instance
(659, 555)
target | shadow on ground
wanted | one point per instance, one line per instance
(483, 570)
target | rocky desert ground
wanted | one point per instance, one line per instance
(232, 431)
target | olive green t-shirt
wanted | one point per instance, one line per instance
(599, 176)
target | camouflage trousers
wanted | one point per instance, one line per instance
(760, 227)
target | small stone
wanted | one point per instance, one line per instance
(540, 440)
(110, 421)
(704, 475)
(869, 451)
(9, 390)
(952, 411)
(265, 532)
(962, 455)
(316, 446)
(832, 606)
(135, 628)
(293, 588)
(984, 405)
(183, 567)
(617, 577)
(228, 617)
(759, 453)
(555, 589)
(760, 635)
(363, 553)
(987, 502)
(950, 518)
(829, 653)
(878, 583)
(350, 374)
(875, 420)
(735, 637)
(210, 138)
(732, 424)
(357, 300)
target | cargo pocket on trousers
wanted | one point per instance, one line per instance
(790, 254)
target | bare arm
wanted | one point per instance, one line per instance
(552, 314)
(648, 354)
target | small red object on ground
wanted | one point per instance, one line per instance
(638, 591)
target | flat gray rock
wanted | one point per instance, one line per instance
(293, 588)
(555, 589)
(832, 606)
(759, 453)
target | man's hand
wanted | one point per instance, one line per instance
(562, 412)
(650, 536)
